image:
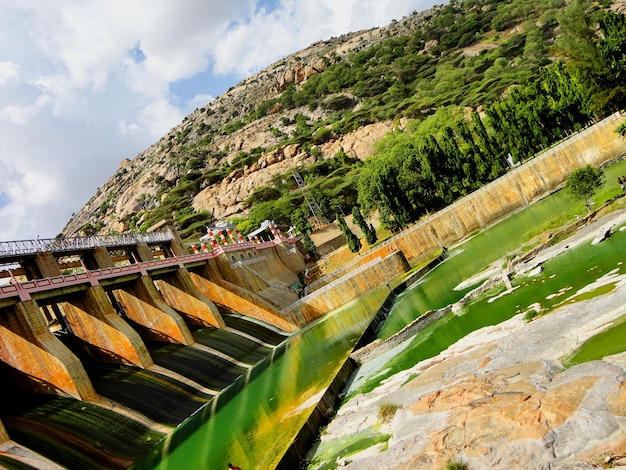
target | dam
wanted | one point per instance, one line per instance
(139, 331)
(117, 343)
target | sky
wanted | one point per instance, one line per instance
(85, 84)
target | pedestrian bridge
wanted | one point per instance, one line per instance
(155, 250)
(115, 292)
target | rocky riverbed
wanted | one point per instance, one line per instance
(499, 398)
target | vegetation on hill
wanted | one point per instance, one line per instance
(476, 84)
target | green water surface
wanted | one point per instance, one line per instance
(557, 284)
(475, 254)
(255, 428)
(601, 345)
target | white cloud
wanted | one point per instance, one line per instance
(159, 115)
(85, 84)
(257, 41)
(22, 115)
(8, 71)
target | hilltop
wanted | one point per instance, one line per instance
(321, 111)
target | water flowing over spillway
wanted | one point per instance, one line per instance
(78, 434)
(257, 425)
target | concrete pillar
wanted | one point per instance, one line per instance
(98, 258)
(47, 366)
(144, 305)
(181, 293)
(143, 252)
(47, 265)
(41, 266)
(244, 302)
(92, 318)
(176, 245)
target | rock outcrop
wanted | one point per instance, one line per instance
(203, 143)
(500, 398)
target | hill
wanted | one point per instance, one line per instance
(321, 112)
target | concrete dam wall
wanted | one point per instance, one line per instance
(535, 179)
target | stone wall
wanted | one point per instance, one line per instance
(349, 287)
(380, 346)
(596, 146)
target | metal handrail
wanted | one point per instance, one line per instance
(24, 289)
(31, 247)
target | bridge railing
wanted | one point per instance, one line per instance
(24, 289)
(31, 247)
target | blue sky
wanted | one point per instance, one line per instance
(86, 84)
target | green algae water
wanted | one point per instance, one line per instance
(601, 345)
(436, 290)
(256, 426)
(558, 284)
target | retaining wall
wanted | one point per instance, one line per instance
(349, 287)
(597, 145)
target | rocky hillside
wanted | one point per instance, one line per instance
(124, 201)
(334, 99)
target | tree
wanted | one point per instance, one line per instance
(584, 182)
(354, 244)
(379, 188)
(612, 45)
(577, 41)
(300, 221)
(367, 229)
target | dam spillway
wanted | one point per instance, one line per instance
(135, 408)
(139, 335)
(133, 345)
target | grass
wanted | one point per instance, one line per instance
(531, 314)
(387, 411)
(456, 465)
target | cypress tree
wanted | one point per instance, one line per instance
(354, 244)
(367, 229)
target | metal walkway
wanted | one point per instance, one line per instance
(23, 290)
(58, 245)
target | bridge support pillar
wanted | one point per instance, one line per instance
(144, 305)
(41, 266)
(243, 301)
(176, 244)
(181, 293)
(45, 363)
(98, 258)
(92, 318)
(143, 252)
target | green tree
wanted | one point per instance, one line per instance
(379, 188)
(367, 229)
(612, 45)
(584, 182)
(612, 48)
(354, 244)
(577, 41)
(301, 223)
